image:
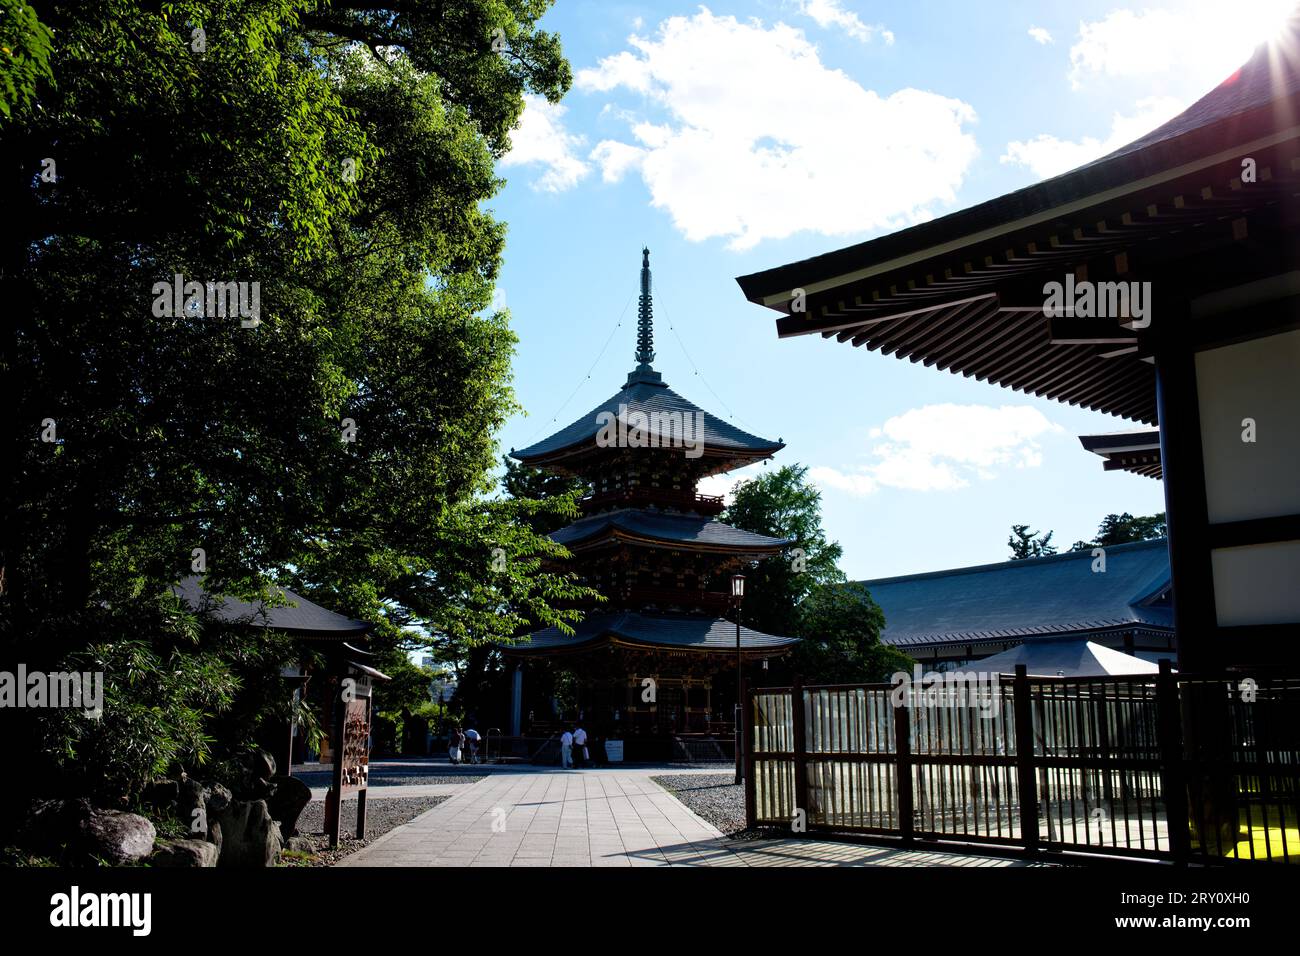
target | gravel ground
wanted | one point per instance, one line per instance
(395, 775)
(713, 796)
(381, 816)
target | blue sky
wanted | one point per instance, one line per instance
(746, 135)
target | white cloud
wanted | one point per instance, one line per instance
(754, 138)
(944, 447)
(615, 159)
(541, 139)
(1041, 34)
(1046, 155)
(1202, 43)
(830, 14)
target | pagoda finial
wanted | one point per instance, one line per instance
(645, 334)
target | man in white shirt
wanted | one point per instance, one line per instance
(472, 739)
(580, 742)
(566, 750)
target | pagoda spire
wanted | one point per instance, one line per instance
(644, 373)
(645, 330)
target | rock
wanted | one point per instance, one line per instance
(214, 836)
(300, 844)
(116, 837)
(186, 853)
(287, 802)
(249, 837)
(261, 765)
(190, 796)
(217, 798)
(76, 832)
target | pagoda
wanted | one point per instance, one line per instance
(655, 662)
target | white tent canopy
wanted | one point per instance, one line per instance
(1070, 658)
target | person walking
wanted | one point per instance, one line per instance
(472, 738)
(581, 756)
(566, 750)
(455, 742)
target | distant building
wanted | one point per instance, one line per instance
(946, 619)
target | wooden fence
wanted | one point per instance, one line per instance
(1159, 767)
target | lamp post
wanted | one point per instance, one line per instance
(738, 595)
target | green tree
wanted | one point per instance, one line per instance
(1029, 544)
(1124, 529)
(802, 592)
(337, 157)
(841, 626)
(783, 504)
(24, 54)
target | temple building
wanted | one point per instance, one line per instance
(1189, 236)
(963, 617)
(654, 665)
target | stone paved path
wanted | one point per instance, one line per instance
(608, 817)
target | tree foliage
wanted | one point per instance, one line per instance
(1029, 544)
(802, 592)
(782, 503)
(1124, 529)
(339, 156)
(841, 626)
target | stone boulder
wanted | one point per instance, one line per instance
(186, 853)
(77, 833)
(116, 837)
(287, 802)
(247, 834)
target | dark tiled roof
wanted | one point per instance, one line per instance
(1249, 104)
(685, 631)
(671, 528)
(1022, 599)
(1134, 451)
(647, 397)
(300, 617)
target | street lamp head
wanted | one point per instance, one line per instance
(738, 586)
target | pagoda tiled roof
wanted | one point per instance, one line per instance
(648, 397)
(666, 527)
(682, 631)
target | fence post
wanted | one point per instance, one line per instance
(751, 811)
(800, 748)
(903, 767)
(1173, 785)
(1028, 785)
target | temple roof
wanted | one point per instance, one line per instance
(300, 618)
(645, 392)
(1247, 104)
(1136, 451)
(668, 528)
(675, 631)
(648, 397)
(1201, 207)
(1055, 595)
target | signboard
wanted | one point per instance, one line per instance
(355, 750)
(614, 751)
